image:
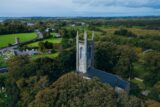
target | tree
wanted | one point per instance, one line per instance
(3, 79)
(68, 33)
(29, 87)
(152, 66)
(124, 32)
(105, 57)
(16, 66)
(43, 46)
(67, 43)
(155, 92)
(14, 26)
(24, 74)
(67, 59)
(152, 103)
(128, 101)
(72, 90)
(126, 57)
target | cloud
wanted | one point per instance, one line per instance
(122, 3)
(118, 7)
(36, 8)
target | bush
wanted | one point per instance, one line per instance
(124, 32)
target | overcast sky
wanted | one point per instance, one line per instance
(24, 8)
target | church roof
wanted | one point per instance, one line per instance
(109, 78)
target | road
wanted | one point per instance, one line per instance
(40, 34)
(8, 48)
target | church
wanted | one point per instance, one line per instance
(85, 60)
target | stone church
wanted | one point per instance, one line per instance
(85, 60)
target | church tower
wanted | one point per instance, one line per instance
(85, 60)
(84, 54)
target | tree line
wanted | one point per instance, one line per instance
(10, 27)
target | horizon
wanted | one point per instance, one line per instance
(147, 16)
(79, 8)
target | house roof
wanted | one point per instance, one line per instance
(113, 80)
(3, 70)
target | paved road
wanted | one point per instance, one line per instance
(40, 34)
(8, 48)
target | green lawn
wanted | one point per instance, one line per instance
(53, 34)
(140, 84)
(54, 55)
(52, 40)
(10, 38)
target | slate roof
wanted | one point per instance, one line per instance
(113, 80)
(3, 70)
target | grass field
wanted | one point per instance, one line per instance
(53, 34)
(54, 55)
(137, 31)
(10, 38)
(52, 40)
(145, 32)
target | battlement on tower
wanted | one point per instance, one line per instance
(84, 53)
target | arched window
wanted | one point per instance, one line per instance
(89, 52)
(81, 51)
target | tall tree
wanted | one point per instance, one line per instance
(152, 66)
(126, 57)
(105, 57)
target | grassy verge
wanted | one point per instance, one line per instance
(54, 55)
